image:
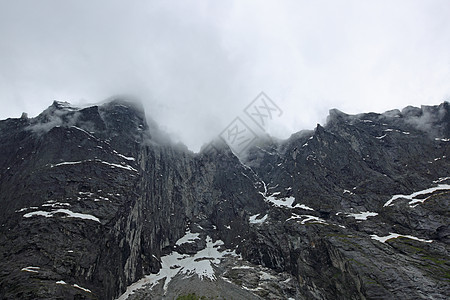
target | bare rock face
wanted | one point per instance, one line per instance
(95, 199)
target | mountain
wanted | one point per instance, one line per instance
(97, 203)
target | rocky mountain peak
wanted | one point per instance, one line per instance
(96, 205)
(63, 105)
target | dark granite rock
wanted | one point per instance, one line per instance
(92, 198)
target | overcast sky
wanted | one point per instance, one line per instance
(197, 64)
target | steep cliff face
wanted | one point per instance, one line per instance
(348, 172)
(97, 198)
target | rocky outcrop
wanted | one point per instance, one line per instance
(94, 199)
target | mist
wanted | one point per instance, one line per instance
(197, 65)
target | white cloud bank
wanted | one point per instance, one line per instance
(197, 64)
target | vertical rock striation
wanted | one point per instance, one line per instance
(93, 198)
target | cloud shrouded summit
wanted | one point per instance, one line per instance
(197, 64)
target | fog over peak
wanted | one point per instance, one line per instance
(196, 65)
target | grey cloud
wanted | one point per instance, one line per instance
(53, 117)
(197, 64)
(428, 119)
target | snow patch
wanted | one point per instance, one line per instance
(391, 235)
(302, 206)
(439, 158)
(70, 214)
(307, 218)
(84, 131)
(415, 194)
(26, 208)
(394, 130)
(125, 167)
(253, 219)
(56, 204)
(243, 268)
(200, 264)
(82, 288)
(266, 276)
(188, 238)
(284, 202)
(441, 179)
(123, 156)
(67, 163)
(312, 219)
(31, 269)
(363, 215)
(348, 192)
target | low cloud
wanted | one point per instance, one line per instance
(51, 118)
(196, 65)
(428, 119)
